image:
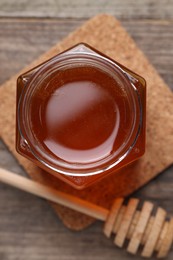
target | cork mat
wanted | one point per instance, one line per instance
(106, 34)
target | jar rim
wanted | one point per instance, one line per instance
(70, 59)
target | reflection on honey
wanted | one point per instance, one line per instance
(81, 118)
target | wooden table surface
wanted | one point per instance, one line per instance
(29, 228)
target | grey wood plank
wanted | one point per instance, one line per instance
(148, 9)
(24, 40)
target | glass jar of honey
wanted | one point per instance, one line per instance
(81, 116)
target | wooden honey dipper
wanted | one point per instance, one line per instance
(154, 233)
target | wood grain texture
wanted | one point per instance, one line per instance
(23, 40)
(148, 9)
(40, 235)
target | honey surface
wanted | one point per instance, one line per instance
(80, 115)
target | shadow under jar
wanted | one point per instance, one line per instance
(81, 116)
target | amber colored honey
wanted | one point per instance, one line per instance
(80, 115)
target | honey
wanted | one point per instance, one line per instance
(80, 116)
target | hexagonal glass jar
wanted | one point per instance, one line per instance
(81, 116)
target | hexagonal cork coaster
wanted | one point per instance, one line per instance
(106, 34)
